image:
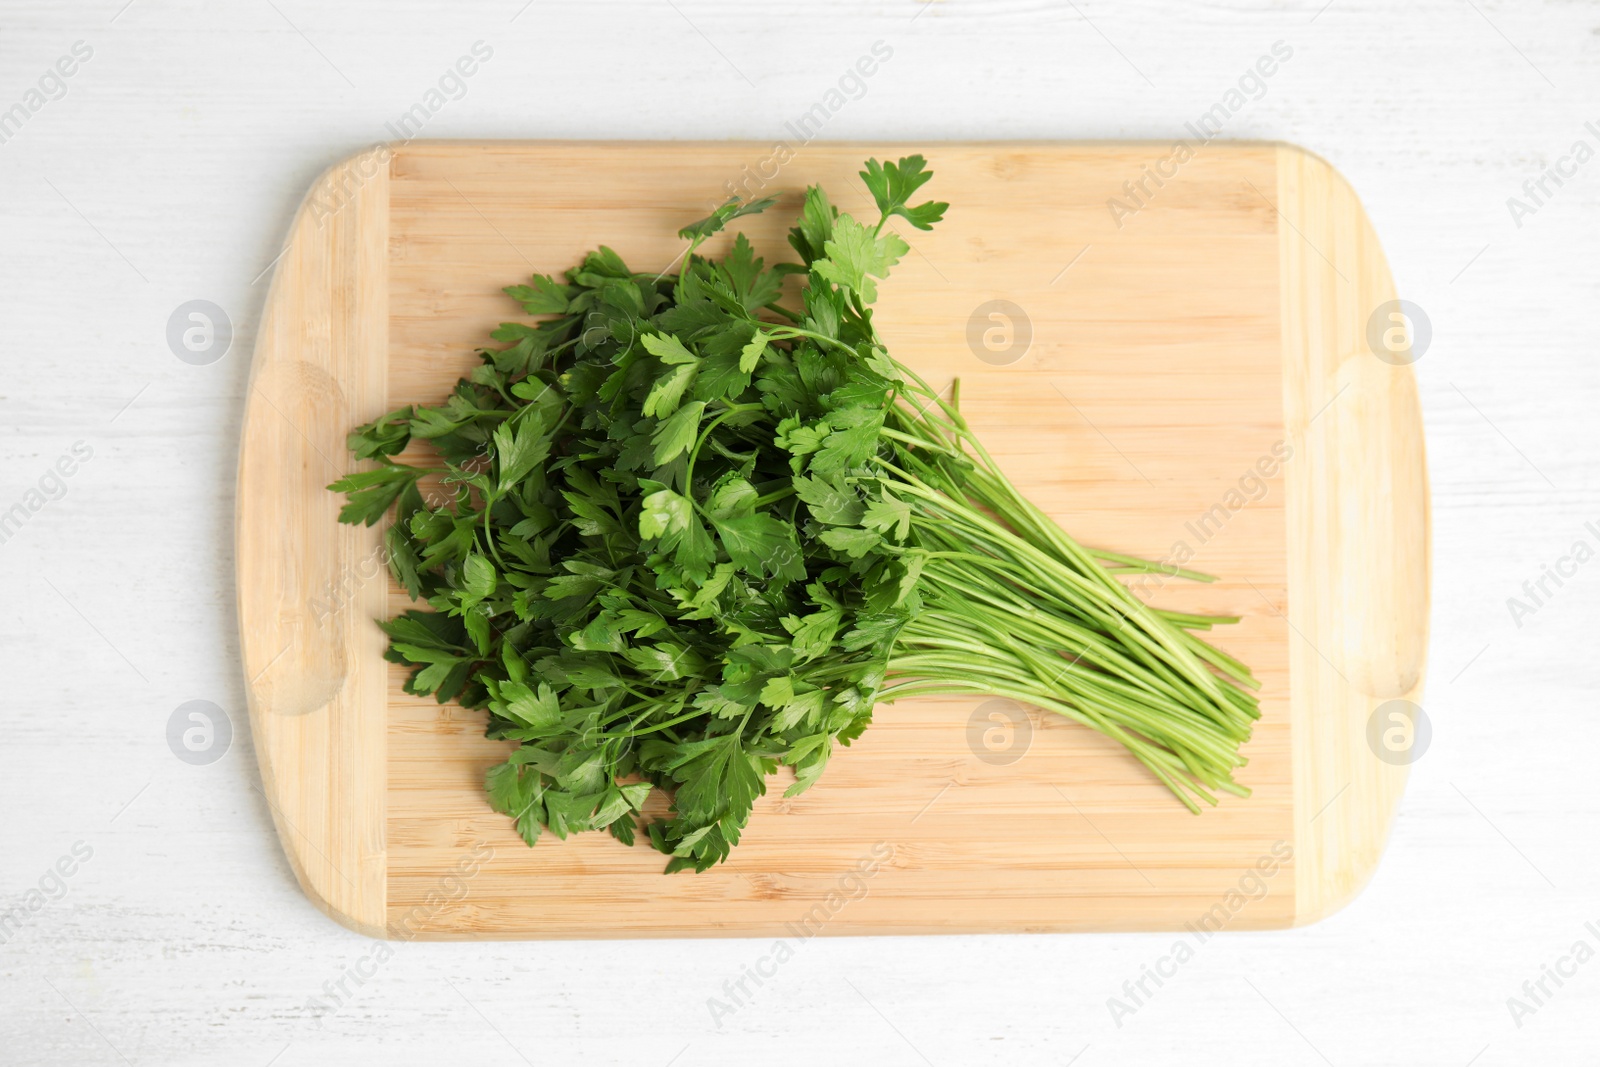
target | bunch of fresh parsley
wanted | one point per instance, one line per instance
(695, 529)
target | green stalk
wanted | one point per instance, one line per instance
(1012, 605)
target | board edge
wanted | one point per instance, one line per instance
(1359, 564)
(305, 604)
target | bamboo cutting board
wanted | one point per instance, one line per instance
(1181, 368)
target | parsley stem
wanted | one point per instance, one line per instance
(705, 435)
(774, 496)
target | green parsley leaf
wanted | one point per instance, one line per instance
(677, 434)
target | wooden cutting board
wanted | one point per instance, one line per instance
(1188, 324)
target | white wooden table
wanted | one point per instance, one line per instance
(164, 168)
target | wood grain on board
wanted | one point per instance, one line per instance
(1179, 352)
